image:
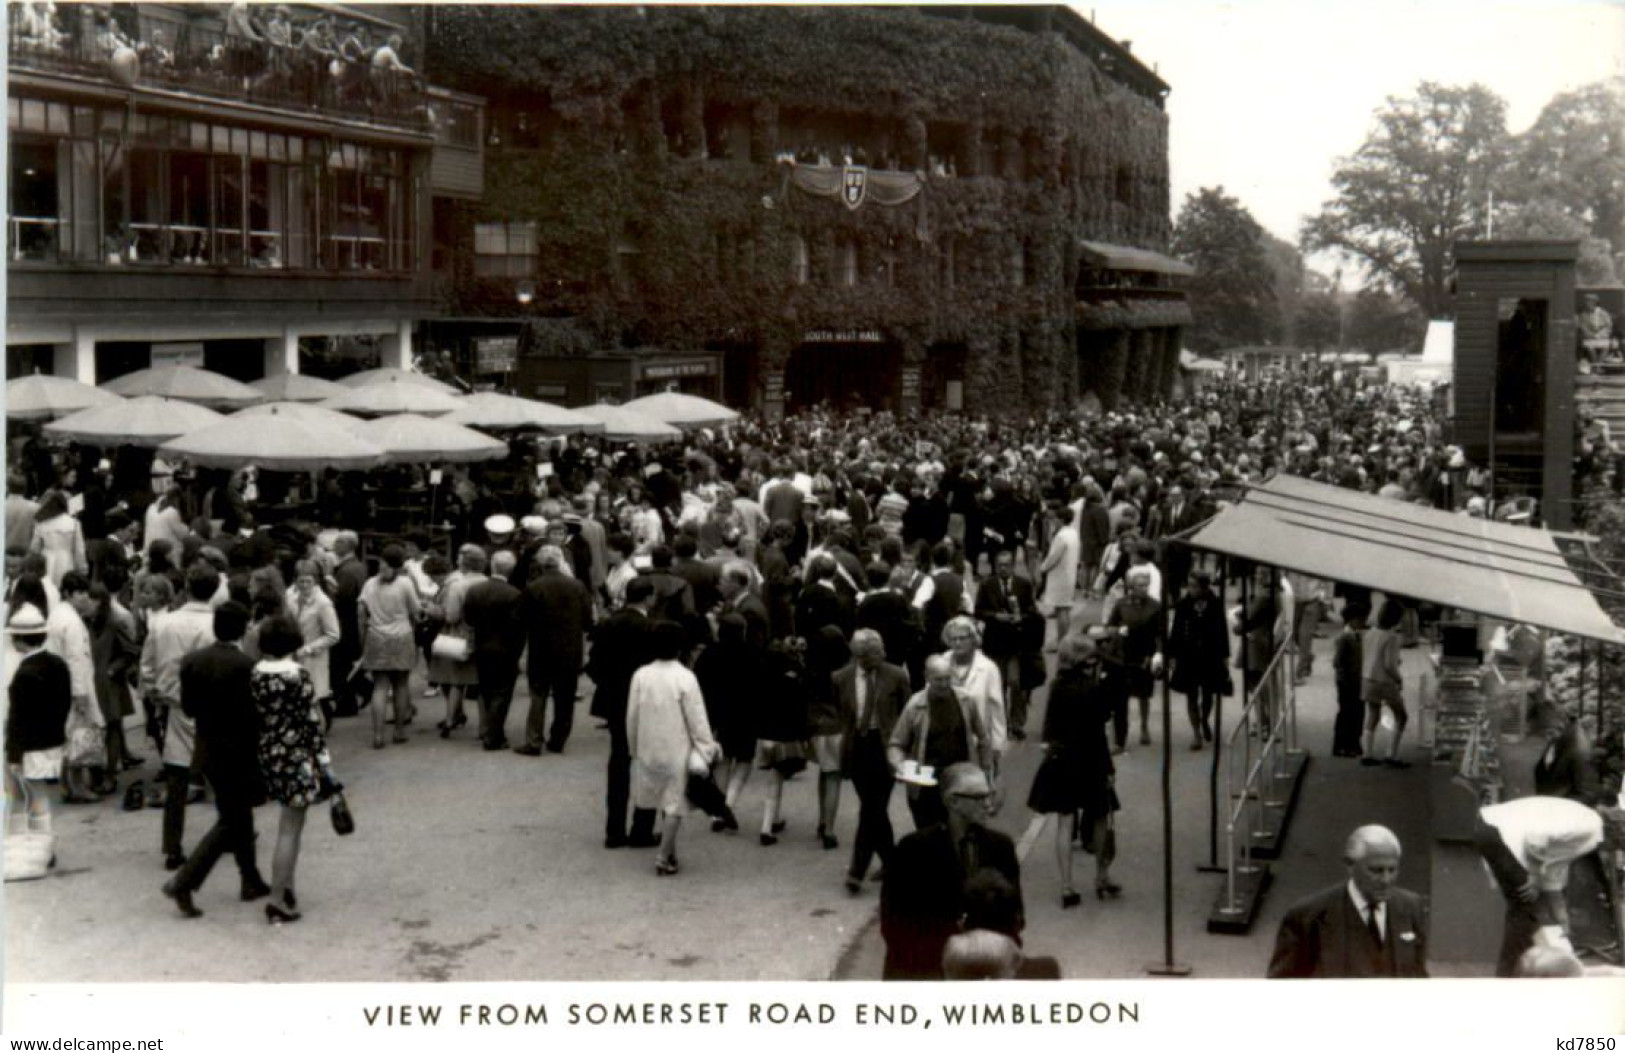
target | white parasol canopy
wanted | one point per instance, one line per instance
(626, 425)
(298, 411)
(683, 411)
(187, 383)
(374, 376)
(394, 395)
(296, 387)
(278, 441)
(42, 397)
(145, 420)
(496, 411)
(407, 438)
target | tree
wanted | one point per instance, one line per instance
(1568, 179)
(1420, 181)
(1318, 321)
(1573, 158)
(1380, 322)
(1233, 294)
(1286, 268)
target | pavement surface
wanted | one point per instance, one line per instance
(475, 866)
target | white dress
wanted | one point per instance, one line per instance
(983, 685)
(1060, 569)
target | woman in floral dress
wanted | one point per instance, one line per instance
(293, 752)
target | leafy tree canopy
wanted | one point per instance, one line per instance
(1233, 296)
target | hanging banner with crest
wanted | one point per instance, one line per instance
(855, 184)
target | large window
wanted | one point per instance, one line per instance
(505, 250)
(132, 189)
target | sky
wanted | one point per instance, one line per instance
(1268, 94)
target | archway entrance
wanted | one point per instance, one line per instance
(846, 375)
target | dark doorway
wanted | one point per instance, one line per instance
(942, 382)
(115, 358)
(24, 360)
(1520, 367)
(242, 360)
(739, 373)
(846, 376)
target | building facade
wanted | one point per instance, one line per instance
(247, 188)
(780, 206)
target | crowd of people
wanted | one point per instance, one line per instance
(869, 595)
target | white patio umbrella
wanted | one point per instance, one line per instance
(407, 438)
(497, 412)
(395, 395)
(296, 387)
(43, 396)
(373, 376)
(187, 383)
(625, 425)
(145, 420)
(683, 411)
(298, 411)
(277, 441)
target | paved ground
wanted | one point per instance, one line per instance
(476, 866)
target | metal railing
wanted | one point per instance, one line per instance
(1256, 774)
(200, 59)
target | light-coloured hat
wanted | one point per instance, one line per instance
(499, 524)
(530, 525)
(26, 620)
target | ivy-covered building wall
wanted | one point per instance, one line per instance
(650, 153)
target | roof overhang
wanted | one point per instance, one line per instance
(1124, 258)
(1508, 572)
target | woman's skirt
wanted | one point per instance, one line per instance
(656, 787)
(394, 652)
(786, 758)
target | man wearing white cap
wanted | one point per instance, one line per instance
(498, 535)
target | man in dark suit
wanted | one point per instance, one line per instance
(558, 612)
(886, 610)
(870, 693)
(674, 600)
(1013, 628)
(703, 579)
(1366, 927)
(782, 499)
(491, 610)
(734, 585)
(214, 688)
(820, 604)
(923, 897)
(621, 645)
(349, 575)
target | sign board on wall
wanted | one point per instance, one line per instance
(843, 336)
(183, 354)
(673, 370)
(773, 393)
(911, 383)
(552, 391)
(496, 354)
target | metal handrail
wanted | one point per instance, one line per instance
(1261, 741)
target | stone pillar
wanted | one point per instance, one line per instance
(75, 359)
(282, 354)
(397, 347)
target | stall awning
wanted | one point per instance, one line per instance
(1507, 572)
(1124, 258)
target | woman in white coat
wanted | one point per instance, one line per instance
(1060, 571)
(318, 622)
(665, 719)
(976, 676)
(59, 538)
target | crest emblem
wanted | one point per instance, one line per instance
(854, 185)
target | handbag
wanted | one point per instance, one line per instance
(697, 764)
(450, 647)
(29, 853)
(343, 818)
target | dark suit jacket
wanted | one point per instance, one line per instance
(702, 577)
(557, 612)
(1324, 936)
(819, 606)
(620, 647)
(891, 695)
(1566, 770)
(923, 896)
(1001, 639)
(104, 552)
(757, 629)
(783, 501)
(491, 608)
(889, 613)
(215, 693)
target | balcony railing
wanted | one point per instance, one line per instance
(200, 59)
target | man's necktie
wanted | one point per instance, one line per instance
(871, 721)
(1371, 923)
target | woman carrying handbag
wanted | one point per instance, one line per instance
(39, 696)
(668, 734)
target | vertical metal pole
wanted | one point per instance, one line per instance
(1218, 730)
(1167, 967)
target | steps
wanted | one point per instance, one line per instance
(1603, 392)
